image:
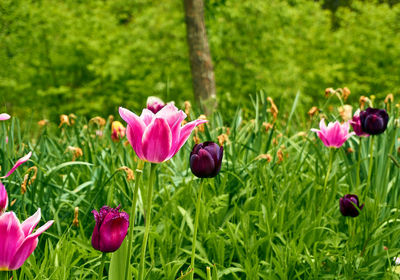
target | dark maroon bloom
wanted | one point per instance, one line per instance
(356, 124)
(206, 159)
(350, 206)
(110, 229)
(374, 121)
(155, 104)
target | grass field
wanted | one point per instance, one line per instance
(272, 216)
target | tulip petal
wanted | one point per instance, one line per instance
(147, 116)
(171, 114)
(157, 141)
(202, 164)
(185, 132)
(134, 131)
(4, 116)
(11, 235)
(27, 247)
(18, 163)
(113, 231)
(29, 224)
(3, 198)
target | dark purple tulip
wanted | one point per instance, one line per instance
(110, 229)
(206, 159)
(348, 205)
(374, 121)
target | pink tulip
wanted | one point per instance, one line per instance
(4, 116)
(3, 198)
(157, 137)
(17, 242)
(18, 163)
(333, 135)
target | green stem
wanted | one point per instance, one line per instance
(4, 275)
(359, 165)
(103, 260)
(196, 224)
(328, 172)
(147, 221)
(371, 157)
(138, 174)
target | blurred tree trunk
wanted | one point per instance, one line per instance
(199, 55)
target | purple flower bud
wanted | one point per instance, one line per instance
(110, 229)
(349, 204)
(206, 159)
(155, 104)
(374, 121)
(356, 124)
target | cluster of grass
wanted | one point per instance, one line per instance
(259, 219)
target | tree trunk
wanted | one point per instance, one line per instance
(199, 55)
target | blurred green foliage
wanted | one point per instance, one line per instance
(89, 57)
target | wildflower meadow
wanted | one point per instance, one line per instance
(169, 193)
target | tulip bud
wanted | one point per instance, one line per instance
(117, 131)
(110, 229)
(374, 121)
(3, 198)
(155, 104)
(206, 159)
(356, 124)
(349, 205)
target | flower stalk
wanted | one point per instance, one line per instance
(371, 157)
(103, 260)
(196, 224)
(147, 221)
(139, 171)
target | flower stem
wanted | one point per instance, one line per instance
(359, 164)
(138, 173)
(147, 221)
(103, 260)
(328, 172)
(371, 157)
(196, 224)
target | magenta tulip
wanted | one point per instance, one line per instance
(157, 137)
(17, 241)
(110, 229)
(356, 124)
(4, 116)
(3, 198)
(333, 135)
(18, 163)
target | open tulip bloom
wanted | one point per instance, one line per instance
(157, 137)
(17, 241)
(334, 135)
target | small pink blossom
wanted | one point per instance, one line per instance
(356, 124)
(333, 135)
(157, 137)
(4, 116)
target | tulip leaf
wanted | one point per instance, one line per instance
(118, 263)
